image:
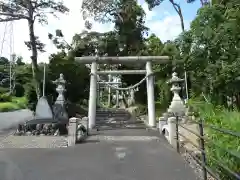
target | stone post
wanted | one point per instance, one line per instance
(117, 98)
(72, 131)
(82, 129)
(162, 123)
(92, 96)
(109, 90)
(98, 93)
(172, 131)
(85, 122)
(150, 95)
(117, 93)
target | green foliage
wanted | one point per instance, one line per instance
(8, 106)
(20, 101)
(6, 97)
(76, 76)
(3, 90)
(164, 94)
(12, 104)
(31, 96)
(210, 50)
(224, 119)
(19, 90)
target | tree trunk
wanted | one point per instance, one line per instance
(35, 70)
(178, 9)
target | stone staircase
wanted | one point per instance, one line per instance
(116, 118)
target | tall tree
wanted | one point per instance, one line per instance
(32, 11)
(176, 6)
(203, 2)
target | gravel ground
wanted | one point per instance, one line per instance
(8, 124)
(193, 164)
(12, 141)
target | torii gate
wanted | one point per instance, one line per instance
(148, 60)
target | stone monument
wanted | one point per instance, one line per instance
(47, 121)
(43, 110)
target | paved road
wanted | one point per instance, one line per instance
(98, 160)
(10, 120)
(109, 154)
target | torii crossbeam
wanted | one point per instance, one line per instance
(94, 60)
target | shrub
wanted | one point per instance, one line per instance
(8, 106)
(21, 102)
(3, 90)
(19, 90)
(5, 97)
(224, 119)
(31, 96)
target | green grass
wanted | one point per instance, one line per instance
(224, 119)
(16, 104)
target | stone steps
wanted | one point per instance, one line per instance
(112, 114)
(99, 138)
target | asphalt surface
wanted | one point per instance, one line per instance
(96, 160)
(10, 120)
(99, 159)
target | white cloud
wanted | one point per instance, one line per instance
(165, 25)
(149, 14)
(167, 28)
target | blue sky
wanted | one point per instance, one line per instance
(189, 10)
(162, 20)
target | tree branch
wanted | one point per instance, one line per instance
(175, 6)
(179, 11)
(9, 19)
(12, 15)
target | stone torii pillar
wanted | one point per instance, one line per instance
(122, 60)
(117, 91)
(92, 96)
(150, 95)
(109, 90)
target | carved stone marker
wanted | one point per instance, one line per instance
(43, 110)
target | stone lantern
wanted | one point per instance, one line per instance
(177, 106)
